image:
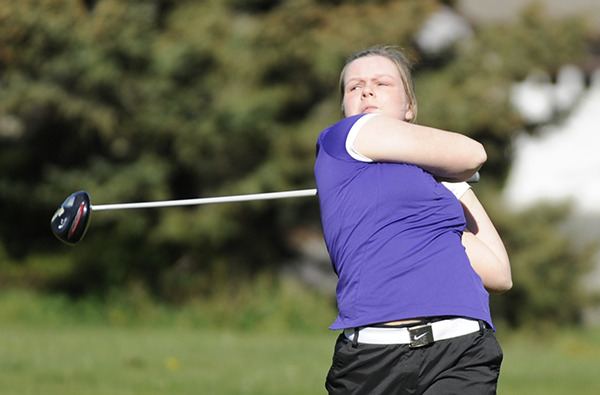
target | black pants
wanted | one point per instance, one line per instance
(465, 365)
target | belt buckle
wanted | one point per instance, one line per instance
(420, 336)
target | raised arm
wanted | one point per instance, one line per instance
(444, 154)
(484, 246)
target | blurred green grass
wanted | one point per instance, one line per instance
(105, 360)
(125, 361)
(560, 362)
(50, 346)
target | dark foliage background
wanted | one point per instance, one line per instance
(149, 99)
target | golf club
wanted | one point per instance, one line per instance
(70, 222)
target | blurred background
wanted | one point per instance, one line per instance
(162, 99)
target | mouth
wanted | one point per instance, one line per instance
(369, 109)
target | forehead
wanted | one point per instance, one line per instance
(371, 66)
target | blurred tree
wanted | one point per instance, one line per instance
(546, 267)
(151, 99)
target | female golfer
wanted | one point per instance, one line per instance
(414, 255)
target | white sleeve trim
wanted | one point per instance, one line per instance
(352, 136)
(457, 188)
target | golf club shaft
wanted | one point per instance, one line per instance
(220, 199)
(210, 200)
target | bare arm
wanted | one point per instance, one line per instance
(444, 154)
(484, 246)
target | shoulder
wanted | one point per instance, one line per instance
(338, 137)
(342, 126)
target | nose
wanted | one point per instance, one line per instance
(367, 91)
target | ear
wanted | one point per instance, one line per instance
(409, 115)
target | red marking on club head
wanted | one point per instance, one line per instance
(77, 219)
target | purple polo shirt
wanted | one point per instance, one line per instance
(394, 237)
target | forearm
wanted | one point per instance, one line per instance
(494, 272)
(484, 246)
(449, 155)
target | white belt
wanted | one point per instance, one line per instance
(418, 335)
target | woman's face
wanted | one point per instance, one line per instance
(372, 84)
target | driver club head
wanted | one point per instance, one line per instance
(70, 222)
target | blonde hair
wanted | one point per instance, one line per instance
(399, 59)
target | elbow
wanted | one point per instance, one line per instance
(505, 286)
(502, 281)
(502, 286)
(471, 164)
(479, 157)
